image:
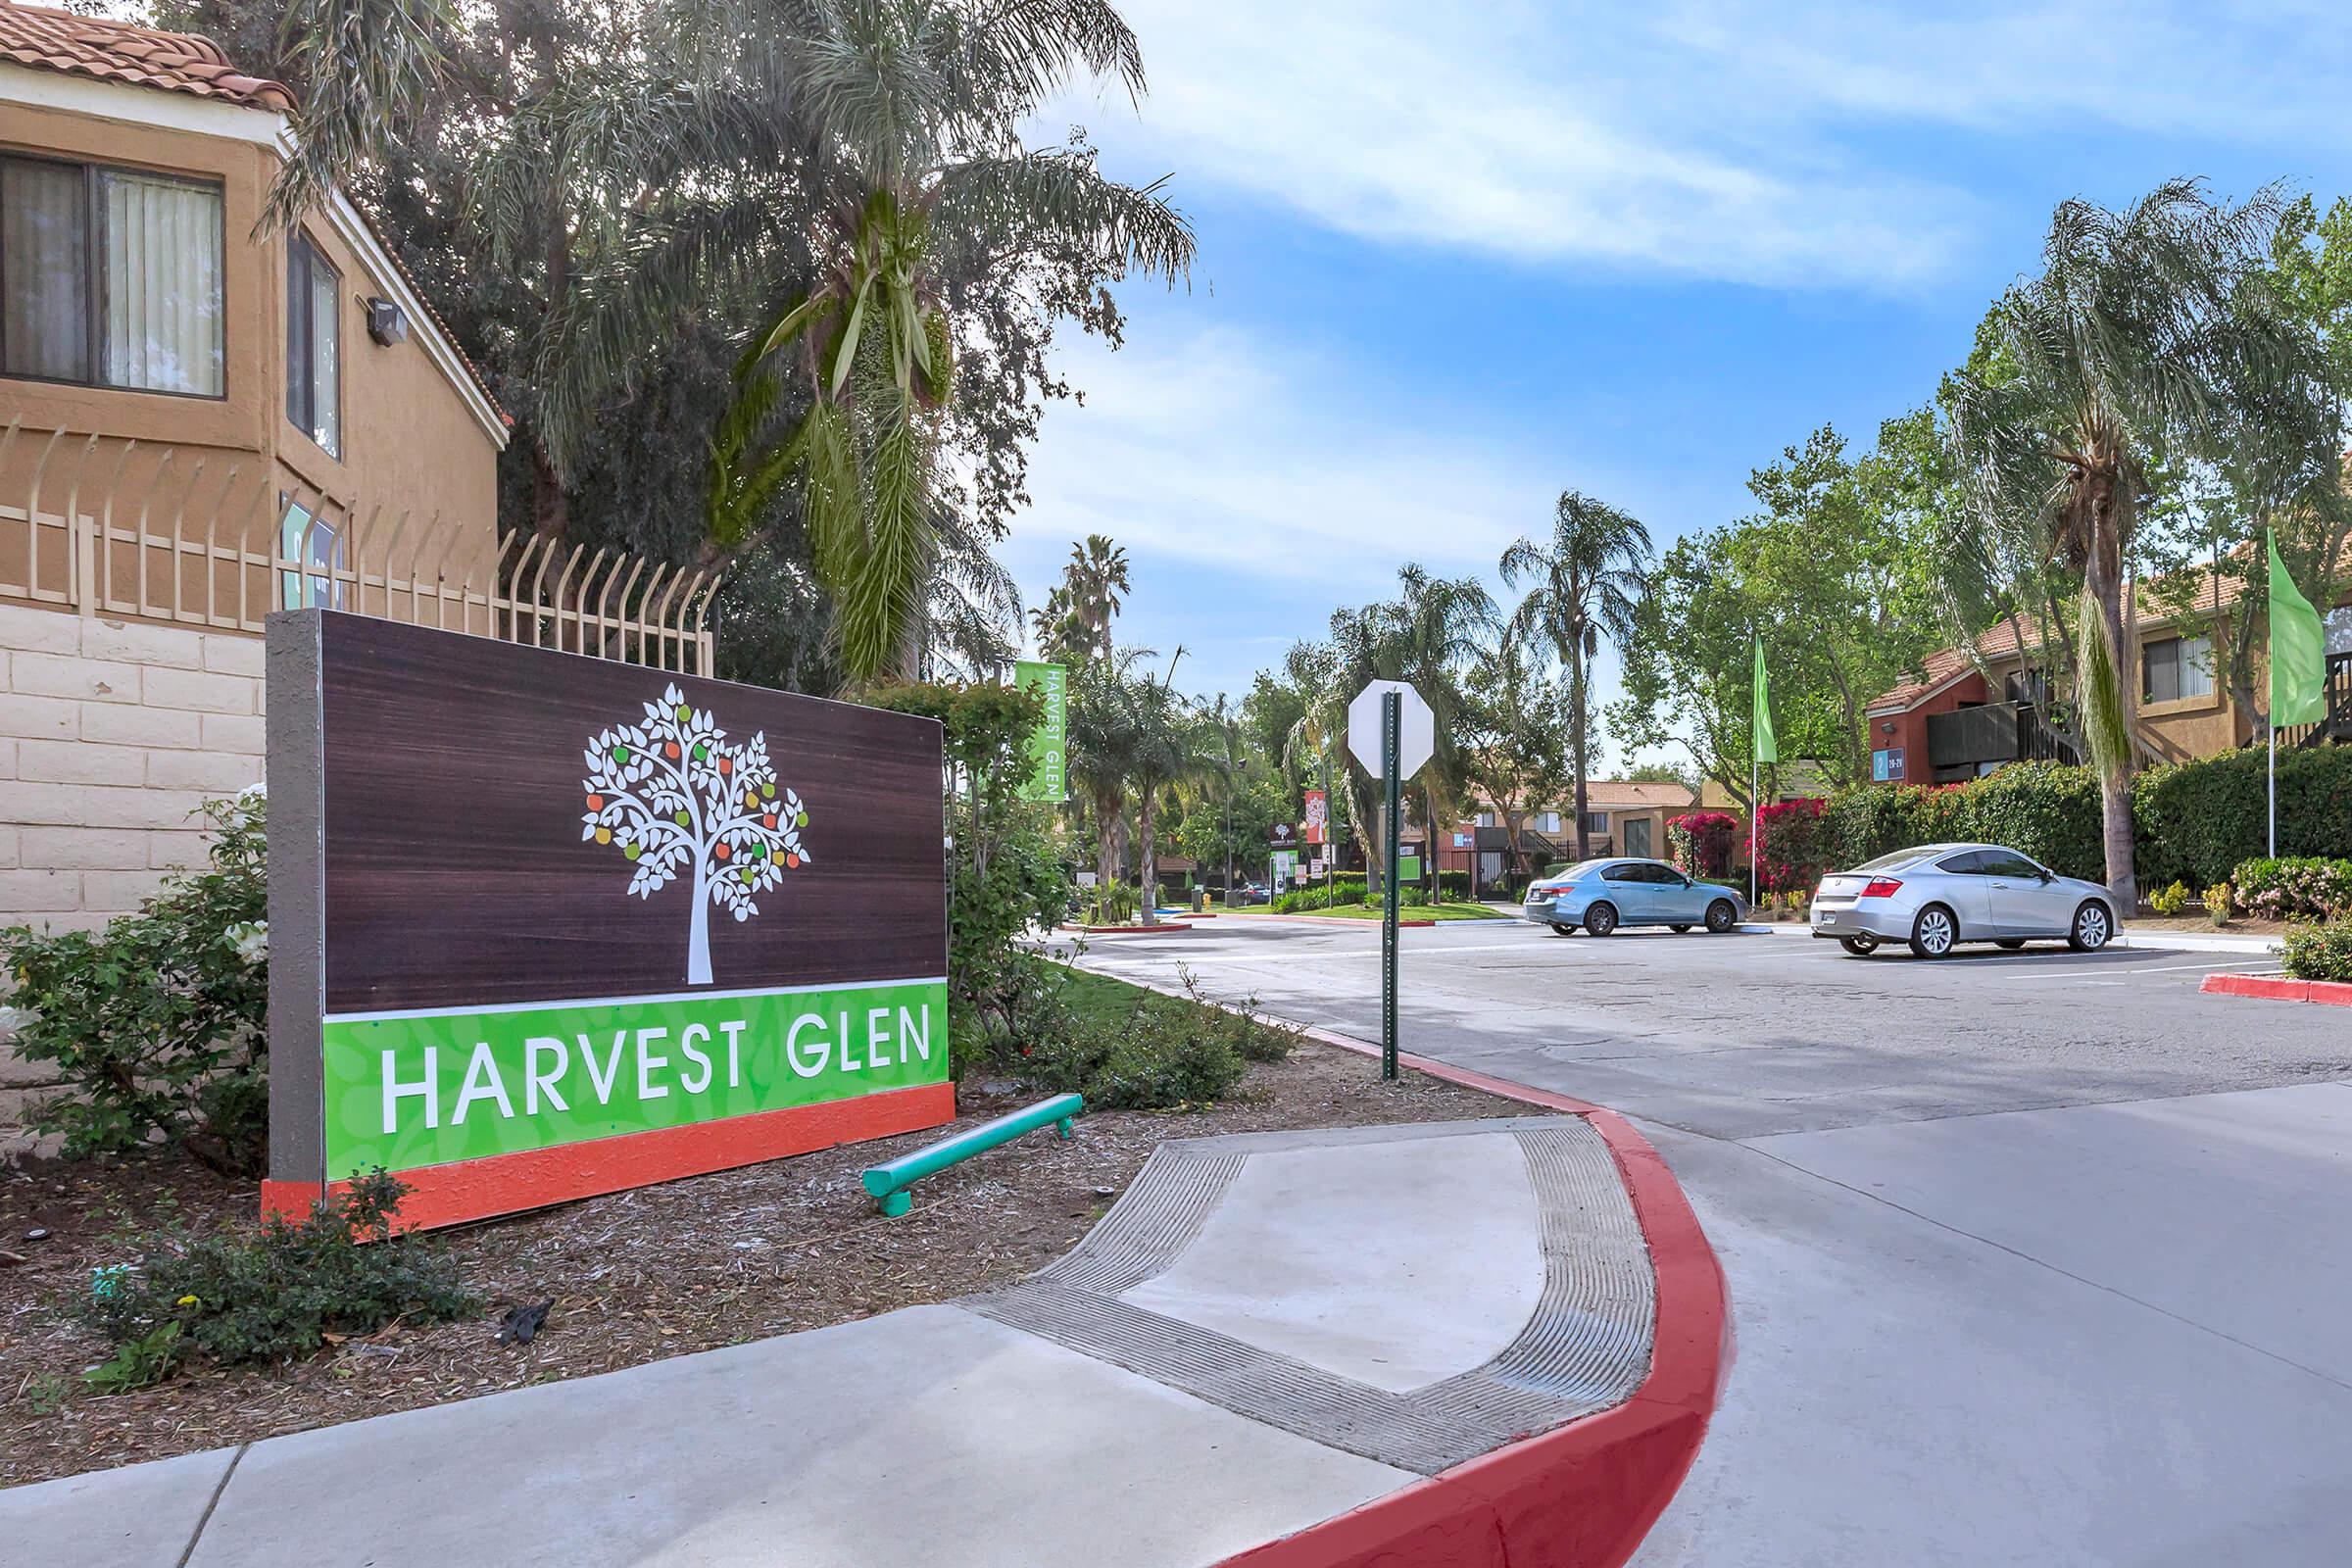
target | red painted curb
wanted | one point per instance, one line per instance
(2279, 988)
(1585, 1495)
(507, 1183)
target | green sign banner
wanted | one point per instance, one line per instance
(411, 1088)
(1051, 683)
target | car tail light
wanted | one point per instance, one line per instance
(1881, 887)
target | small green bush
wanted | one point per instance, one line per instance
(2292, 887)
(155, 1024)
(1163, 1052)
(2320, 952)
(1308, 898)
(2170, 901)
(273, 1291)
(2216, 904)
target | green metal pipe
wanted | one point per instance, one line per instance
(890, 1180)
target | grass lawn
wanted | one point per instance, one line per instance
(1100, 999)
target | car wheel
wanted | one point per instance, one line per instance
(1859, 946)
(2011, 943)
(1559, 930)
(1934, 932)
(1678, 930)
(2094, 927)
(1600, 919)
(1721, 916)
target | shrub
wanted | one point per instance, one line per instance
(2199, 820)
(1163, 1052)
(1318, 898)
(1796, 846)
(2216, 904)
(2170, 901)
(2320, 952)
(1702, 841)
(1453, 885)
(273, 1291)
(156, 1024)
(2290, 888)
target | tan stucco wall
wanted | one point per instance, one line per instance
(409, 438)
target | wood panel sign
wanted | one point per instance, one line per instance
(544, 925)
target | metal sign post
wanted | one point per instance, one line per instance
(1392, 732)
(1392, 721)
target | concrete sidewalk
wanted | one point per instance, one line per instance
(1265, 1332)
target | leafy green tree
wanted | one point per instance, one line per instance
(1515, 738)
(1839, 574)
(1586, 583)
(2139, 345)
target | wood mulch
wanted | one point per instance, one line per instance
(690, 1266)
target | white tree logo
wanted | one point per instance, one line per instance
(676, 795)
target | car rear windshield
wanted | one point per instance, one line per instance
(1888, 862)
(1581, 869)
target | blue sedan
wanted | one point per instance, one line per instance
(1603, 894)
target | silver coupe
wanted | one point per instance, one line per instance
(1936, 895)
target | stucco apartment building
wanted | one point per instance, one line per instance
(186, 403)
(1623, 817)
(1964, 716)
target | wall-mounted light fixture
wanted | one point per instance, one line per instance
(387, 322)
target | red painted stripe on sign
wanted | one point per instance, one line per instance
(506, 1184)
(2279, 988)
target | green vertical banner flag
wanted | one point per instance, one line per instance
(1768, 749)
(1052, 684)
(2298, 651)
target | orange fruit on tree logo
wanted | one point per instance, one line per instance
(670, 751)
(596, 802)
(725, 851)
(726, 765)
(793, 861)
(770, 821)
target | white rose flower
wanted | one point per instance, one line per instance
(250, 940)
(15, 1020)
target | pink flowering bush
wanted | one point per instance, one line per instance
(1702, 842)
(2295, 887)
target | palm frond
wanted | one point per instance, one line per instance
(368, 63)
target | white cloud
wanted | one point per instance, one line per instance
(1778, 145)
(1209, 451)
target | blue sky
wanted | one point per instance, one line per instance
(1456, 259)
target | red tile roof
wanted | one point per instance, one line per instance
(119, 51)
(1609, 794)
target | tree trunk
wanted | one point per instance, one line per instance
(1576, 748)
(2105, 587)
(1107, 866)
(697, 931)
(1150, 900)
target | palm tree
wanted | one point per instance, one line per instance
(2137, 346)
(1431, 634)
(1164, 755)
(1091, 582)
(909, 156)
(1587, 584)
(1103, 746)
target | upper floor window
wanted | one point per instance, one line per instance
(2176, 668)
(313, 346)
(112, 277)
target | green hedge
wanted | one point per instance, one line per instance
(2193, 822)
(2197, 821)
(2046, 810)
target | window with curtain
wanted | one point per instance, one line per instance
(113, 277)
(2176, 668)
(313, 346)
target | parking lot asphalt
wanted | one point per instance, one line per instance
(2034, 1258)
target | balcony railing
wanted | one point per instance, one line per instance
(101, 526)
(1994, 732)
(2337, 724)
